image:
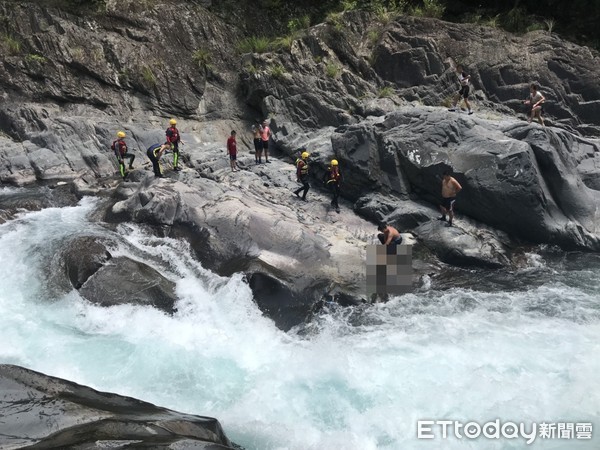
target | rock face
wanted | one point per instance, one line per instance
(336, 91)
(48, 412)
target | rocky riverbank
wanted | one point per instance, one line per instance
(372, 95)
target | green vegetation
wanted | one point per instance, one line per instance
(278, 71)
(201, 57)
(298, 23)
(373, 36)
(10, 45)
(148, 76)
(35, 59)
(430, 8)
(332, 70)
(385, 92)
(254, 44)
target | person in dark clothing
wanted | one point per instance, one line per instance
(332, 180)
(155, 152)
(302, 174)
(258, 144)
(120, 148)
(174, 138)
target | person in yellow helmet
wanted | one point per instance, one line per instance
(120, 148)
(332, 180)
(302, 174)
(174, 138)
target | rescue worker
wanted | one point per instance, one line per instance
(302, 174)
(120, 148)
(155, 152)
(332, 180)
(174, 138)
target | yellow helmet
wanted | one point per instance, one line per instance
(334, 162)
(121, 134)
(173, 122)
(305, 155)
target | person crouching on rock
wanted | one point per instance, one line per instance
(120, 148)
(332, 180)
(174, 138)
(389, 235)
(302, 175)
(155, 152)
(232, 151)
(450, 188)
(536, 100)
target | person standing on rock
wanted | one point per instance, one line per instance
(332, 180)
(155, 152)
(302, 175)
(174, 138)
(120, 148)
(536, 100)
(258, 144)
(463, 92)
(232, 151)
(388, 235)
(450, 188)
(265, 135)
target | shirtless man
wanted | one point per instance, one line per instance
(389, 235)
(450, 187)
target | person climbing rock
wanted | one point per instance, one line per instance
(265, 135)
(388, 235)
(450, 188)
(463, 92)
(174, 138)
(155, 152)
(332, 180)
(232, 151)
(302, 174)
(120, 148)
(536, 100)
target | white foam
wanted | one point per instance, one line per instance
(356, 378)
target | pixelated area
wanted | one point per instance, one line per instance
(389, 269)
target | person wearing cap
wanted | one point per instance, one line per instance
(120, 148)
(333, 178)
(174, 138)
(154, 153)
(302, 174)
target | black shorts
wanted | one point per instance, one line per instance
(265, 145)
(464, 91)
(233, 157)
(448, 203)
(258, 145)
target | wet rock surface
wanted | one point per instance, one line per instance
(40, 411)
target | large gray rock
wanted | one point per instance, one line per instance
(48, 412)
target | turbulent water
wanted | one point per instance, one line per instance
(353, 379)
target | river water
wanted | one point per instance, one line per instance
(354, 378)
